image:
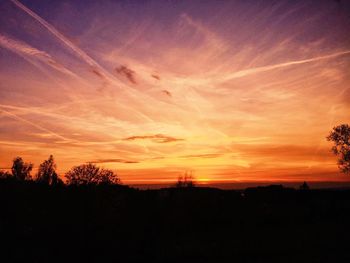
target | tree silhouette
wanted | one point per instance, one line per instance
(90, 174)
(340, 136)
(47, 172)
(4, 174)
(108, 177)
(187, 180)
(304, 186)
(21, 170)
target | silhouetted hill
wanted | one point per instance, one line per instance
(39, 223)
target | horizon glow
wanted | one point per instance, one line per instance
(231, 91)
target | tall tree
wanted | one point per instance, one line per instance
(47, 172)
(21, 170)
(90, 174)
(340, 136)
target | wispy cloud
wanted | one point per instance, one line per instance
(77, 51)
(127, 73)
(248, 90)
(158, 138)
(14, 116)
(113, 161)
(24, 49)
(250, 71)
(206, 155)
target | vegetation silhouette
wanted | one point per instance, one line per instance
(5, 175)
(114, 223)
(47, 173)
(186, 180)
(21, 170)
(340, 136)
(304, 187)
(94, 218)
(90, 174)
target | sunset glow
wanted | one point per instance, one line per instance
(227, 90)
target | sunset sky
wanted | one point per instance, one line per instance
(227, 90)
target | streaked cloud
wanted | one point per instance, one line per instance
(206, 155)
(24, 49)
(113, 161)
(247, 72)
(158, 138)
(248, 92)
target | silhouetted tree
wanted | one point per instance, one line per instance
(87, 174)
(4, 175)
(47, 172)
(108, 177)
(304, 186)
(186, 180)
(21, 170)
(340, 136)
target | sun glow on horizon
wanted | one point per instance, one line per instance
(249, 93)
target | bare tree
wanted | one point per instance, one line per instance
(90, 174)
(21, 170)
(340, 136)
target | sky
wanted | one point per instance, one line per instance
(227, 91)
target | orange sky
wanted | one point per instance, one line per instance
(155, 90)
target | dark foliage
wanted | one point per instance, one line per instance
(340, 136)
(47, 173)
(187, 180)
(90, 174)
(21, 170)
(4, 175)
(304, 187)
(114, 223)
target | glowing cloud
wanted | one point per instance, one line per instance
(158, 138)
(232, 92)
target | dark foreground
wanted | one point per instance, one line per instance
(120, 224)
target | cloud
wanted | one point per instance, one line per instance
(168, 93)
(155, 76)
(113, 161)
(284, 152)
(158, 138)
(24, 49)
(250, 71)
(95, 67)
(14, 116)
(126, 72)
(248, 120)
(206, 155)
(97, 73)
(56, 33)
(16, 45)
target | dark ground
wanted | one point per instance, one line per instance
(39, 223)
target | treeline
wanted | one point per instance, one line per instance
(84, 174)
